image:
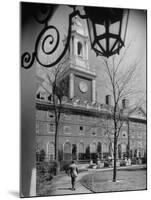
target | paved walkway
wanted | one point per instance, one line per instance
(62, 183)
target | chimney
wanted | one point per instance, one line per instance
(125, 103)
(108, 100)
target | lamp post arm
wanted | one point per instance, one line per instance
(27, 59)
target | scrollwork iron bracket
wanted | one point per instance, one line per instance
(27, 59)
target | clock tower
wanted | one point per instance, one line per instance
(76, 69)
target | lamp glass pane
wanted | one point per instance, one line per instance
(100, 29)
(97, 48)
(103, 44)
(111, 42)
(116, 46)
(114, 28)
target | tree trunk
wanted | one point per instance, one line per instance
(128, 144)
(114, 154)
(56, 142)
(56, 150)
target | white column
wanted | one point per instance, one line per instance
(71, 47)
(75, 46)
(93, 91)
(71, 86)
(86, 48)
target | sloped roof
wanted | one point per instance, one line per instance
(137, 112)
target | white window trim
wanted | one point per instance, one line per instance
(67, 141)
(78, 147)
(50, 113)
(67, 133)
(48, 149)
(48, 130)
(124, 132)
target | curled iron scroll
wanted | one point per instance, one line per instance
(52, 38)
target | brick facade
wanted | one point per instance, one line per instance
(82, 133)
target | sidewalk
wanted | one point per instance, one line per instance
(62, 183)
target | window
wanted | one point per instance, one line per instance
(105, 148)
(67, 129)
(99, 147)
(81, 130)
(81, 147)
(94, 131)
(81, 151)
(67, 151)
(74, 151)
(50, 115)
(124, 134)
(50, 151)
(51, 128)
(93, 148)
(132, 133)
(123, 148)
(40, 96)
(79, 48)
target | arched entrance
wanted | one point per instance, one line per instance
(93, 151)
(119, 151)
(81, 151)
(105, 151)
(123, 150)
(74, 152)
(67, 153)
(99, 150)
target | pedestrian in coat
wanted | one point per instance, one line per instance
(73, 171)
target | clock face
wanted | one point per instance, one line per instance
(83, 86)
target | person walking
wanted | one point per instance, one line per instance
(73, 171)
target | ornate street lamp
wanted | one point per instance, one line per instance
(107, 29)
(106, 26)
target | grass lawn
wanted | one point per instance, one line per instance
(101, 181)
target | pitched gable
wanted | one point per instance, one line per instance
(137, 113)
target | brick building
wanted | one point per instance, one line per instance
(84, 122)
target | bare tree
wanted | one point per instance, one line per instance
(121, 79)
(56, 88)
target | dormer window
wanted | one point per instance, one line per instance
(40, 96)
(80, 49)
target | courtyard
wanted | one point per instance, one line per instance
(127, 179)
(92, 181)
